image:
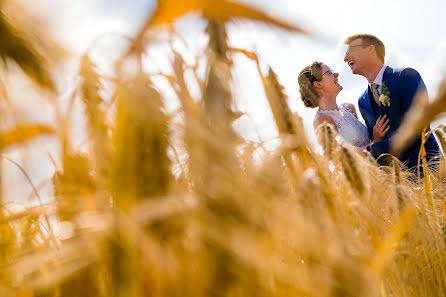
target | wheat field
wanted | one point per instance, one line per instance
(179, 204)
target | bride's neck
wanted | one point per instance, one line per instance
(327, 103)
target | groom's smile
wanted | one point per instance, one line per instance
(350, 62)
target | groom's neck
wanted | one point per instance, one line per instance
(372, 71)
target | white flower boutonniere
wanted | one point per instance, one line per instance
(384, 98)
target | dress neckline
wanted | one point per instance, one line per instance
(329, 110)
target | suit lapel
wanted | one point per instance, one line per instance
(369, 112)
(386, 79)
(372, 110)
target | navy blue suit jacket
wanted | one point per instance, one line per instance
(403, 85)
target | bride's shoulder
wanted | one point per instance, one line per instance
(322, 118)
(351, 107)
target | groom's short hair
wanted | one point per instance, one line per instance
(370, 39)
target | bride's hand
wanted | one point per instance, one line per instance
(381, 128)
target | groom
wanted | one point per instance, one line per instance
(390, 94)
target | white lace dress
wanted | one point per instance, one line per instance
(349, 127)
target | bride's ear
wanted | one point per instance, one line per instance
(317, 84)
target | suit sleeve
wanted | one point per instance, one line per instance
(409, 85)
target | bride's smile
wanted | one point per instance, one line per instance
(329, 84)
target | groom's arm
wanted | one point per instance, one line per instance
(409, 85)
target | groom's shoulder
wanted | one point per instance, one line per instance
(363, 99)
(402, 72)
(364, 95)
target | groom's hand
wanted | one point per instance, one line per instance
(381, 128)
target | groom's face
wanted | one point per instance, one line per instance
(356, 55)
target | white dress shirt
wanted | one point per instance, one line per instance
(379, 79)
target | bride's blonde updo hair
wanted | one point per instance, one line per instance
(307, 76)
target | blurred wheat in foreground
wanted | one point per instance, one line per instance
(177, 204)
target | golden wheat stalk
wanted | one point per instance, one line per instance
(22, 133)
(73, 185)
(140, 161)
(326, 136)
(16, 45)
(36, 193)
(396, 170)
(195, 131)
(289, 125)
(442, 139)
(427, 182)
(432, 214)
(168, 11)
(96, 123)
(350, 167)
(386, 250)
(218, 106)
(285, 120)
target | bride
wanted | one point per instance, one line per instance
(319, 86)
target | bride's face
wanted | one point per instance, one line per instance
(329, 83)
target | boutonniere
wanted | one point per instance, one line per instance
(384, 98)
